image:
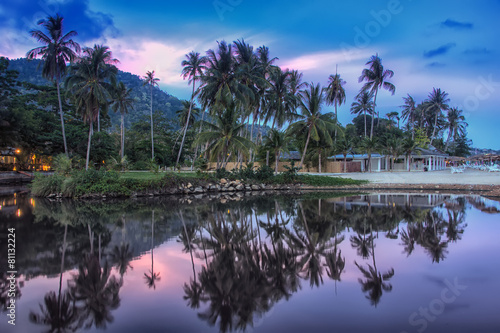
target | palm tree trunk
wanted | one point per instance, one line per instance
(373, 119)
(185, 127)
(305, 148)
(345, 163)
(98, 120)
(434, 129)
(365, 121)
(152, 142)
(450, 133)
(122, 137)
(62, 118)
(319, 162)
(88, 146)
(267, 158)
(370, 161)
(277, 161)
(197, 146)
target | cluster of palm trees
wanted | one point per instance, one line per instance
(239, 88)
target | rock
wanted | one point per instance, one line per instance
(230, 188)
(223, 181)
(189, 185)
(52, 195)
(240, 187)
(223, 201)
(248, 188)
(255, 187)
(199, 189)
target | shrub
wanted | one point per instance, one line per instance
(291, 174)
(44, 185)
(61, 164)
(264, 172)
(222, 173)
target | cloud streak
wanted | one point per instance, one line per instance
(452, 24)
(439, 51)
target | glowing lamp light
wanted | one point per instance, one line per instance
(18, 213)
(18, 151)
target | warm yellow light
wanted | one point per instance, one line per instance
(18, 213)
(32, 202)
(18, 151)
(0, 207)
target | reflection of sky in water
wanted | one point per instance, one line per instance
(334, 306)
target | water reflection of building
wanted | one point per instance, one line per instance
(383, 200)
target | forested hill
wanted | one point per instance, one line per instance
(29, 71)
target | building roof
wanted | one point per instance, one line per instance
(355, 156)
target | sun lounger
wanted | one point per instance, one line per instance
(457, 170)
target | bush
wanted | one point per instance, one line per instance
(140, 165)
(291, 174)
(264, 172)
(42, 185)
(222, 173)
(61, 164)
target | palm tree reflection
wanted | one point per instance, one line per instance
(153, 276)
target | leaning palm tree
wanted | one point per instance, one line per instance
(193, 70)
(408, 113)
(59, 48)
(376, 77)
(437, 103)
(363, 104)
(456, 125)
(91, 81)
(335, 93)
(313, 121)
(122, 101)
(152, 81)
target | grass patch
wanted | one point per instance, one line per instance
(146, 175)
(313, 180)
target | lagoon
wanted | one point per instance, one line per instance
(313, 263)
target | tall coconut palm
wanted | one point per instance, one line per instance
(408, 147)
(122, 102)
(313, 121)
(91, 81)
(152, 81)
(58, 50)
(194, 66)
(363, 104)
(456, 125)
(376, 77)
(437, 103)
(408, 113)
(335, 92)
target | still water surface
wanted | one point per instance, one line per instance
(365, 263)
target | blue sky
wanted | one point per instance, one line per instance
(445, 44)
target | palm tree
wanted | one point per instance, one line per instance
(456, 125)
(152, 81)
(313, 122)
(122, 101)
(408, 112)
(376, 77)
(363, 104)
(194, 65)
(394, 147)
(91, 81)
(436, 103)
(335, 93)
(369, 145)
(345, 145)
(280, 100)
(223, 137)
(409, 145)
(59, 48)
(393, 115)
(276, 141)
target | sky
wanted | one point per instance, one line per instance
(447, 44)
